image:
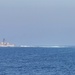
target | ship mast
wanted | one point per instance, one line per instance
(3, 41)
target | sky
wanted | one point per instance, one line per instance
(38, 22)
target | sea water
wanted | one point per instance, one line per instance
(37, 61)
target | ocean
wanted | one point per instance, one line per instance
(37, 61)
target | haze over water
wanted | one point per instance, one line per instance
(38, 22)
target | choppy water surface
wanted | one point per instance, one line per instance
(37, 61)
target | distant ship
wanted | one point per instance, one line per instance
(6, 44)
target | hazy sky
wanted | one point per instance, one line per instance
(38, 22)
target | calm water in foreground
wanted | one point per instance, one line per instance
(37, 61)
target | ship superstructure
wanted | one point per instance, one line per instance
(6, 44)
